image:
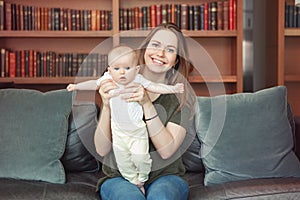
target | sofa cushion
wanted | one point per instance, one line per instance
(82, 124)
(34, 129)
(245, 136)
(191, 158)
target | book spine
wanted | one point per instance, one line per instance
(153, 16)
(191, 25)
(184, 17)
(18, 63)
(125, 20)
(220, 15)
(206, 16)
(12, 64)
(202, 17)
(225, 15)
(230, 14)
(234, 15)
(164, 16)
(2, 12)
(129, 16)
(2, 62)
(121, 19)
(8, 25)
(13, 16)
(137, 17)
(298, 17)
(173, 17)
(178, 15)
(213, 16)
(93, 20)
(158, 14)
(144, 11)
(197, 17)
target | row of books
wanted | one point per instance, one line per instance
(23, 17)
(292, 16)
(217, 15)
(31, 63)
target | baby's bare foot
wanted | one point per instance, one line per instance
(141, 186)
(143, 190)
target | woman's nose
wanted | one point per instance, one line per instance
(160, 51)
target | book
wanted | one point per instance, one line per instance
(184, 17)
(196, 17)
(220, 18)
(164, 15)
(212, 16)
(8, 24)
(191, 18)
(225, 15)
(178, 15)
(153, 16)
(2, 15)
(206, 16)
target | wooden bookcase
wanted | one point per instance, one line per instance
(223, 46)
(283, 52)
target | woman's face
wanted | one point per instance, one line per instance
(161, 52)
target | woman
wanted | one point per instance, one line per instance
(162, 55)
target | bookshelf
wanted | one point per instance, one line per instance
(224, 45)
(283, 52)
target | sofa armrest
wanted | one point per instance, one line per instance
(297, 133)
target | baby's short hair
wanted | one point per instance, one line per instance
(120, 51)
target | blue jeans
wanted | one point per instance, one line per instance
(168, 187)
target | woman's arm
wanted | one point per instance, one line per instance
(103, 136)
(165, 89)
(166, 139)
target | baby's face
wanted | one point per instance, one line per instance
(123, 70)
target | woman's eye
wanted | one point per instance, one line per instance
(154, 44)
(170, 50)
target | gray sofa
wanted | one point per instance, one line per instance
(82, 170)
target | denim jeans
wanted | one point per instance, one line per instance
(168, 187)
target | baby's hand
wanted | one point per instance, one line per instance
(179, 87)
(71, 87)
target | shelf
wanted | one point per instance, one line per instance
(45, 80)
(213, 79)
(67, 80)
(292, 32)
(292, 78)
(144, 33)
(55, 34)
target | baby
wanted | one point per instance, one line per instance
(129, 131)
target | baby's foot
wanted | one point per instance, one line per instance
(143, 190)
(141, 186)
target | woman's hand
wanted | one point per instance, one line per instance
(135, 92)
(105, 87)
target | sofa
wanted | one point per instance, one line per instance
(39, 163)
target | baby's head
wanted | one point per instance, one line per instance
(122, 61)
(122, 53)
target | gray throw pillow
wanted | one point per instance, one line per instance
(34, 128)
(246, 136)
